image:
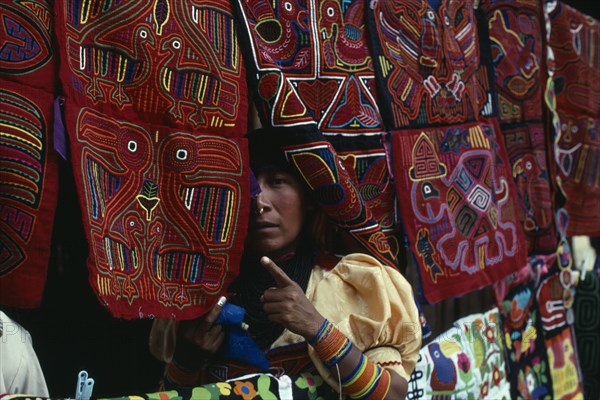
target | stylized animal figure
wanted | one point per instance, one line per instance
(455, 139)
(342, 34)
(532, 182)
(167, 207)
(113, 65)
(185, 83)
(443, 376)
(283, 35)
(426, 250)
(518, 72)
(432, 46)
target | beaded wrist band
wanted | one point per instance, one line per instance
(330, 344)
(367, 381)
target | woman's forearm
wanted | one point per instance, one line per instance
(360, 378)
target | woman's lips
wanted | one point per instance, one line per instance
(261, 226)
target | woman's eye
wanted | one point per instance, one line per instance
(278, 180)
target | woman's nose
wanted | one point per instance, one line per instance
(261, 204)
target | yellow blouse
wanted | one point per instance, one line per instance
(373, 305)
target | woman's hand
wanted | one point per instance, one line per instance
(287, 304)
(199, 339)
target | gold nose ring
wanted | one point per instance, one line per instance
(261, 210)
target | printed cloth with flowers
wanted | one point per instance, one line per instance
(484, 340)
(466, 362)
(254, 386)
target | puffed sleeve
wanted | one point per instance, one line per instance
(373, 305)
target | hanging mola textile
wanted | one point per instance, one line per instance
(156, 110)
(527, 359)
(573, 97)
(538, 317)
(452, 175)
(555, 296)
(516, 37)
(312, 74)
(28, 163)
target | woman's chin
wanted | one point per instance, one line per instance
(264, 247)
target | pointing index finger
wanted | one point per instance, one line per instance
(281, 278)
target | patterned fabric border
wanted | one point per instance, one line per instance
(174, 64)
(165, 212)
(574, 98)
(27, 45)
(312, 73)
(28, 192)
(28, 164)
(457, 202)
(516, 30)
(156, 110)
(428, 63)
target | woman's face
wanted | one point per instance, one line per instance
(274, 231)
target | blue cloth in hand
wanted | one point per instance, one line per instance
(239, 346)
(231, 315)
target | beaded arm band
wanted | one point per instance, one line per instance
(330, 344)
(367, 380)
